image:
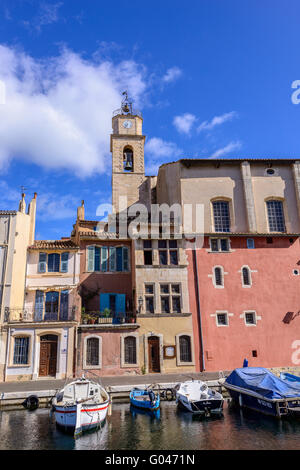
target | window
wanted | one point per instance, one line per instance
(246, 276)
(130, 350)
(149, 298)
(54, 262)
(92, 352)
(218, 276)
(185, 349)
(168, 252)
(51, 306)
(147, 252)
(21, 348)
(219, 244)
(221, 216)
(222, 319)
(250, 318)
(104, 258)
(275, 216)
(170, 298)
(250, 243)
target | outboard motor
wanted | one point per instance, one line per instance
(151, 396)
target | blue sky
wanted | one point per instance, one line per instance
(211, 77)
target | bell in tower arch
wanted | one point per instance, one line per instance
(128, 159)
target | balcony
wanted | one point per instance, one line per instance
(14, 315)
(112, 318)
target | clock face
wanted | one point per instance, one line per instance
(127, 124)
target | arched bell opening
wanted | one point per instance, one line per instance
(128, 160)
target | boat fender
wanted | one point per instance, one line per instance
(31, 403)
(169, 394)
(151, 396)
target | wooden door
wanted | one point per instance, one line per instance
(153, 354)
(48, 356)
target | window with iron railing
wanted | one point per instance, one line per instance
(21, 348)
(185, 348)
(130, 350)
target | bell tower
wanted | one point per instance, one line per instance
(127, 147)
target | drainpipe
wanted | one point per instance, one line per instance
(201, 356)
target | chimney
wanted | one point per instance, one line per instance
(22, 204)
(32, 214)
(80, 211)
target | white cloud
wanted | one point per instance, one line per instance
(184, 122)
(216, 121)
(58, 111)
(172, 74)
(159, 151)
(229, 148)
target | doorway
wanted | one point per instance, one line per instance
(48, 355)
(153, 354)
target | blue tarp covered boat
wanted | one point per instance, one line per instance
(259, 389)
(144, 399)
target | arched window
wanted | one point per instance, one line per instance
(128, 159)
(275, 216)
(185, 349)
(218, 274)
(92, 352)
(246, 276)
(221, 216)
(130, 350)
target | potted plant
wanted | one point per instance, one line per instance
(106, 312)
(92, 319)
(84, 316)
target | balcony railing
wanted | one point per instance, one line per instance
(12, 315)
(114, 318)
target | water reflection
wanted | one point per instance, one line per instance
(168, 429)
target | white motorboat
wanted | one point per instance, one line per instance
(195, 396)
(81, 405)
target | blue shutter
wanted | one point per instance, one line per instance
(119, 259)
(125, 259)
(42, 262)
(39, 305)
(64, 262)
(104, 301)
(97, 258)
(120, 308)
(112, 258)
(91, 258)
(104, 258)
(64, 305)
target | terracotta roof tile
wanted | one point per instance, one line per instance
(53, 244)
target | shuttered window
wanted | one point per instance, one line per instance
(107, 258)
(42, 267)
(185, 349)
(64, 262)
(130, 350)
(53, 262)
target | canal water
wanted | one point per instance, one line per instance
(170, 429)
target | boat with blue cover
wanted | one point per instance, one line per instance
(259, 389)
(289, 377)
(145, 399)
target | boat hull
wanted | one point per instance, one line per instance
(201, 407)
(138, 399)
(91, 416)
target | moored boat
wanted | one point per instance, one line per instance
(81, 405)
(195, 396)
(144, 399)
(259, 389)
